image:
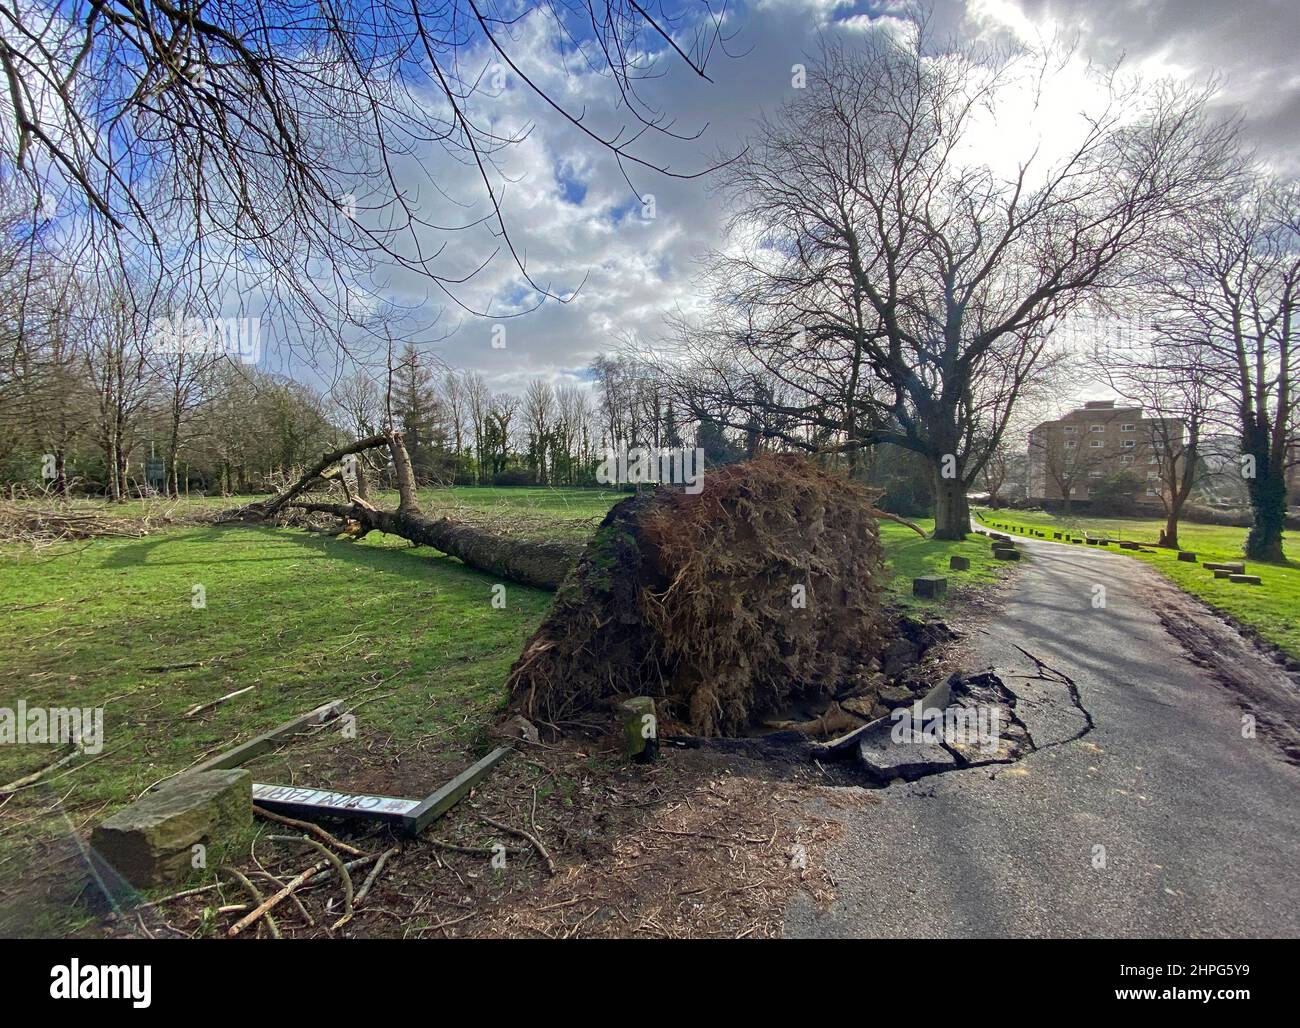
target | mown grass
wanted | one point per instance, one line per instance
(1272, 609)
(410, 634)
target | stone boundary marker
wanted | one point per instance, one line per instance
(930, 586)
(151, 842)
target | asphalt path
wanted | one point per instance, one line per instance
(1149, 807)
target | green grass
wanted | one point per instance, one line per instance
(302, 619)
(908, 556)
(1272, 609)
(408, 633)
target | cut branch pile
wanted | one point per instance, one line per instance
(732, 606)
(38, 523)
(539, 563)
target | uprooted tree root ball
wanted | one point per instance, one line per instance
(734, 605)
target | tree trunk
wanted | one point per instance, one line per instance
(1268, 505)
(1169, 535)
(542, 565)
(951, 510)
(60, 472)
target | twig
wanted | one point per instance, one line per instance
(212, 703)
(266, 905)
(346, 878)
(536, 842)
(307, 826)
(375, 873)
(14, 787)
(177, 895)
(473, 851)
(309, 875)
(18, 783)
(253, 891)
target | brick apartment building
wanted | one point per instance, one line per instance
(1071, 455)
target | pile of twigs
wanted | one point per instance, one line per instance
(39, 523)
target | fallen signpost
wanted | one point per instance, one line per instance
(410, 816)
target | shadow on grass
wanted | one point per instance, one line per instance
(379, 551)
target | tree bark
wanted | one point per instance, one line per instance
(1268, 505)
(542, 565)
(1169, 535)
(951, 509)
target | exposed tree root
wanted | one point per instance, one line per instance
(731, 607)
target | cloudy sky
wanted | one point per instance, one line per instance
(569, 209)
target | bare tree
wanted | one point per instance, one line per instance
(1175, 385)
(235, 144)
(478, 399)
(1228, 276)
(1065, 460)
(907, 291)
(359, 397)
(454, 402)
(539, 417)
(117, 334)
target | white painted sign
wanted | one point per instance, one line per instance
(327, 800)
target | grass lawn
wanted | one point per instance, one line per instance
(1272, 608)
(408, 635)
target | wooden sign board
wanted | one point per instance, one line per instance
(288, 799)
(410, 816)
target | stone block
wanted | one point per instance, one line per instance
(150, 842)
(930, 587)
(640, 728)
(1245, 579)
(957, 563)
(1188, 556)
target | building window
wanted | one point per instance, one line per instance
(1094, 474)
(1070, 430)
(1128, 444)
(1153, 474)
(1153, 459)
(1097, 444)
(1151, 492)
(1096, 428)
(1128, 428)
(1070, 444)
(1126, 460)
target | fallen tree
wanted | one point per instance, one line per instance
(539, 563)
(756, 597)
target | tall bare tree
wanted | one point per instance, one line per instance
(906, 288)
(1229, 278)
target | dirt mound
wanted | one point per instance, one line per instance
(730, 606)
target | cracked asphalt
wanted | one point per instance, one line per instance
(1200, 825)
